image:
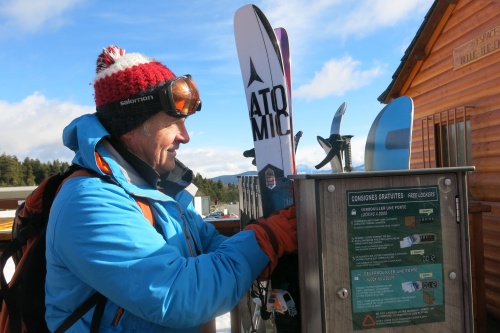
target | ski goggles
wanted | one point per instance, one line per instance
(180, 97)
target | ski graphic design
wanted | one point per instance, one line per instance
(266, 89)
(282, 37)
(334, 146)
(388, 145)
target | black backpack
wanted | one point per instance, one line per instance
(23, 298)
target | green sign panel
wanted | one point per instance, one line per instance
(395, 257)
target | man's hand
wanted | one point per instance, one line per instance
(276, 234)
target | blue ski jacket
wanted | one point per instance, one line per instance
(98, 239)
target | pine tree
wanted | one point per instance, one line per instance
(10, 171)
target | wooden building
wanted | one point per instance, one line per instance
(452, 71)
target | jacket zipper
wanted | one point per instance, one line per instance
(186, 233)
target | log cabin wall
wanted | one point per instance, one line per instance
(452, 72)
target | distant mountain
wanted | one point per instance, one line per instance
(301, 169)
(233, 179)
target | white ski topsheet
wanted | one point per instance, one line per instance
(388, 145)
(266, 89)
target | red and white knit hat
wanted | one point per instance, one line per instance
(121, 77)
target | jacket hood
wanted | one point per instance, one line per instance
(82, 136)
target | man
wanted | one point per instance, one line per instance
(170, 272)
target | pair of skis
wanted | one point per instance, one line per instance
(264, 57)
(282, 38)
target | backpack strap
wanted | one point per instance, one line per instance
(97, 299)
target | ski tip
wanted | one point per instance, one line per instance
(281, 32)
(341, 110)
(337, 119)
(242, 9)
(245, 11)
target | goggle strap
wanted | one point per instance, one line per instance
(134, 105)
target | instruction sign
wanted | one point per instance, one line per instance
(395, 256)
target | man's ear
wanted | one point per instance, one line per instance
(127, 136)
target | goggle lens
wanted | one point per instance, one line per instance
(180, 97)
(185, 96)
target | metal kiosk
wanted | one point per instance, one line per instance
(384, 251)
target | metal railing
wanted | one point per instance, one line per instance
(447, 134)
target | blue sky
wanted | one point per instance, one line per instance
(341, 50)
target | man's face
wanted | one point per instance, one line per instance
(157, 140)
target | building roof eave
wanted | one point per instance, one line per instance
(418, 49)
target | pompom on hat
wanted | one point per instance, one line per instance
(122, 79)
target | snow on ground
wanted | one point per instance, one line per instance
(9, 269)
(223, 323)
(7, 213)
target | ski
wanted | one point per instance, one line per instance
(334, 145)
(284, 43)
(388, 145)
